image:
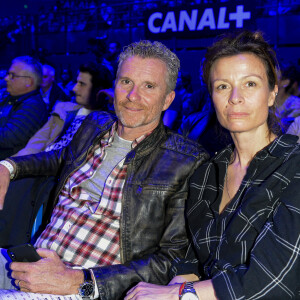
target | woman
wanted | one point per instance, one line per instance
(243, 212)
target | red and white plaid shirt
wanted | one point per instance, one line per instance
(82, 231)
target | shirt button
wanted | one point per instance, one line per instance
(91, 173)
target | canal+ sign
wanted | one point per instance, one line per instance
(189, 22)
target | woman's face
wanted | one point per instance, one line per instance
(241, 93)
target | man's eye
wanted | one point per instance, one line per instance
(149, 86)
(250, 84)
(125, 81)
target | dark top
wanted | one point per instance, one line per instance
(20, 118)
(56, 94)
(251, 250)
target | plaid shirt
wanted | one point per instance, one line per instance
(252, 249)
(82, 231)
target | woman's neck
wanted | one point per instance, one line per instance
(247, 145)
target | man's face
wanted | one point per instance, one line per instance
(113, 48)
(48, 78)
(18, 85)
(83, 88)
(140, 93)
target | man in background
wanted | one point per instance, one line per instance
(23, 111)
(50, 91)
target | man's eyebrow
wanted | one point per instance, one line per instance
(151, 82)
(123, 77)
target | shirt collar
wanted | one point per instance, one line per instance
(277, 148)
(109, 136)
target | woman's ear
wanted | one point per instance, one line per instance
(273, 96)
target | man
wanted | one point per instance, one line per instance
(50, 91)
(122, 189)
(23, 112)
(66, 83)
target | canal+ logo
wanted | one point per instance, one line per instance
(213, 18)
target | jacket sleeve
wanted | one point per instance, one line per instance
(113, 281)
(39, 164)
(43, 137)
(23, 122)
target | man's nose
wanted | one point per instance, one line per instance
(133, 94)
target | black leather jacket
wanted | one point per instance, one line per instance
(152, 225)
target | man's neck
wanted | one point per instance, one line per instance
(131, 134)
(45, 89)
(20, 95)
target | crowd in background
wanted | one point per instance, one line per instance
(39, 103)
(82, 15)
(191, 113)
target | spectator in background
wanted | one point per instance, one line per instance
(50, 91)
(68, 116)
(66, 83)
(294, 128)
(112, 54)
(3, 92)
(23, 111)
(174, 114)
(287, 100)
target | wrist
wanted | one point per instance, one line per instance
(187, 291)
(87, 288)
(10, 167)
(77, 279)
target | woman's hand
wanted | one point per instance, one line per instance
(149, 291)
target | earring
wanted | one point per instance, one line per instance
(276, 94)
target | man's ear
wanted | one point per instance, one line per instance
(30, 82)
(168, 100)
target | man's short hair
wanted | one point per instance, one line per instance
(101, 79)
(35, 69)
(51, 69)
(148, 49)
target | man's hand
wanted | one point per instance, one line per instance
(4, 183)
(47, 276)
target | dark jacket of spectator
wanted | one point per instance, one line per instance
(56, 94)
(20, 118)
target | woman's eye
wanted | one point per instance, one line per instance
(221, 87)
(250, 84)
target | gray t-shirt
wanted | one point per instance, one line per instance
(113, 155)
